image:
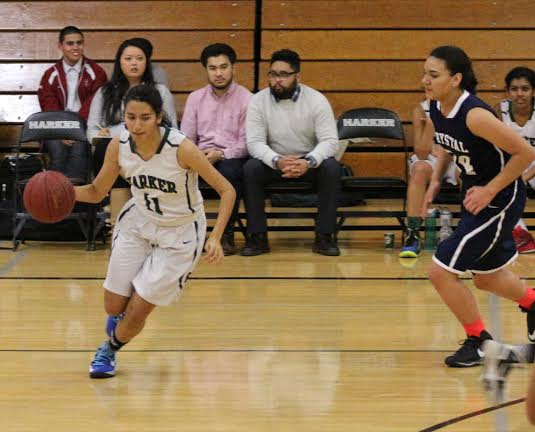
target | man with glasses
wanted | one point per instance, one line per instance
(291, 135)
(214, 119)
(69, 85)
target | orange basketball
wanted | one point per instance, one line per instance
(49, 196)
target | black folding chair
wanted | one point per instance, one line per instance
(373, 123)
(42, 126)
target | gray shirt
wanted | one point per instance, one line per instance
(305, 126)
(96, 114)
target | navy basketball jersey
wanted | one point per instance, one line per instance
(478, 159)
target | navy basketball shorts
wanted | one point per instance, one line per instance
(483, 243)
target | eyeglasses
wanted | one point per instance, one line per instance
(283, 75)
(72, 43)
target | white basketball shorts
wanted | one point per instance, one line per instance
(449, 176)
(153, 260)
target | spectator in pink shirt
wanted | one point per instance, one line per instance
(214, 119)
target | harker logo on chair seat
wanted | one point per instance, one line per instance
(369, 122)
(55, 124)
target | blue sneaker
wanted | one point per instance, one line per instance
(412, 245)
(111, 323)
(103, 365)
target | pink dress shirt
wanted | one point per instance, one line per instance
(217, 122)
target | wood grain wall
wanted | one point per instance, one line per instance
(357, 52)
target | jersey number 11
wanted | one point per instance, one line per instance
(153, 204)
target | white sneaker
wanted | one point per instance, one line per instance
(498, 361)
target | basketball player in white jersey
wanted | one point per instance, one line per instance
(518, 112)
(421, 166)
(160, 232)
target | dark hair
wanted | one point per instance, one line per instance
(114, 90)
(288, 56)
(216, 50)
(520, 72)
(149, 94)
(457, 62)
(146, 43)
(65, 31)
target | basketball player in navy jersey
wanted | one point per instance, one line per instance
(159, 235)
(491, 158)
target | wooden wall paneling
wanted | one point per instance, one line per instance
(323, 76)
(352, 14)
(116, 15)
(168, 45)
(362, 163)
(395, 75)
(398, 44)
(9, 134)
(16, 108)
(401, 103)
(376, 164)
(389, 75)
(182, 76)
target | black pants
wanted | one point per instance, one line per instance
(326, 180)
(70, 160)
(232, 170)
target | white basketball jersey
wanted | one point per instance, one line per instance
(425, 106)
(527, 131)
(164, 191)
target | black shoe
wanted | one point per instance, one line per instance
(227, 243)
(530, 321)
(326, 244)
(470, 354)
(256, 244)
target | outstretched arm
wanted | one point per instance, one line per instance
(190, 157)
(96, 191)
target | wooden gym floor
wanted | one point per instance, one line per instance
(288, 341)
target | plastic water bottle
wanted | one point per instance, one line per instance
(430, 239)
(445, 224)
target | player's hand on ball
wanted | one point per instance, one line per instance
(214, 251)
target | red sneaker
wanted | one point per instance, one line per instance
(524, 241)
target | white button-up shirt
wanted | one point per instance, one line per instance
(73, 75)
